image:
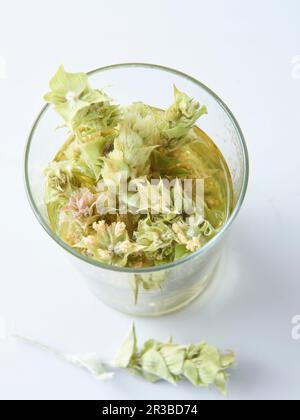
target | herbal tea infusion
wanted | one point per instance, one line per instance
(133, 186)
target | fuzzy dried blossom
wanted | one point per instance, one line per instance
(194, 233)
(135, 153)
(82, 203)
(156, 238)
(95, 127)
(70, 92)
(182, 115)
(109, 244)
(144, 121)
(138, 136)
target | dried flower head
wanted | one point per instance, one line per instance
(110, 244)
(82, 203)
(182, 115)
(193, 233)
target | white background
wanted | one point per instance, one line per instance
(241, 49)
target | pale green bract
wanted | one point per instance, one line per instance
(71, 92)
(87, 112)
(134, 151)
(182, 115)
(148, 282)
(64, 177)
(201, 364)
(156, 238)
(142, 120)
(95, 129)
(138, 137)
(96, 120)
(115, 169)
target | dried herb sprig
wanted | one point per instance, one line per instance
(201, 364)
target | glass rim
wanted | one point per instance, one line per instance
(182, 261)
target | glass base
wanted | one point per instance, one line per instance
(170, 305)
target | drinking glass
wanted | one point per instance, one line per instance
(179, 283)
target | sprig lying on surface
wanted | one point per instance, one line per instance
(201, 364)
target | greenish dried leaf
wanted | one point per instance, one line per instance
(182, 115)
(128, 352)
(70, 93)
(147, 282)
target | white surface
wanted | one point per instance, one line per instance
(241, 49)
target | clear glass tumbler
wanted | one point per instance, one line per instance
(180, 282)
